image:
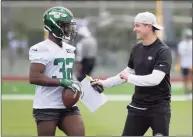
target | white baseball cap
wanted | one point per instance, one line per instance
(147, 18)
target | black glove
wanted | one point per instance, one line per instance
(98, 88)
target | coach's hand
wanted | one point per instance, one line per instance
(97, 85)
(124, 75)
(96, 82)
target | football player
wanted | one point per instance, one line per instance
(184, 60)
(51, 67)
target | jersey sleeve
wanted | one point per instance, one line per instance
(164, 61)
(130, 63)
(147, 80)
(39, 55)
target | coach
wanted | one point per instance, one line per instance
(149, 70)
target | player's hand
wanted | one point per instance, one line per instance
(124, 75)
(74, 85)
(65, 82)
(97, 85)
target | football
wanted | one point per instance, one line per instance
(69, 97)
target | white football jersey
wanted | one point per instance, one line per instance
(58, 64)
(185, 51)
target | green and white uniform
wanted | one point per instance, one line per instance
(58, 64)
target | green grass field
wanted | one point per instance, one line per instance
(109, 120)
(26, 88)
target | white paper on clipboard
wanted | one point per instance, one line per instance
(91, 98)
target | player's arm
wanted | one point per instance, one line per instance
(38, 78)
(179, 55)
(39, 58)
(161, 68)
(178, 62)
(178, 59)
(116, 80)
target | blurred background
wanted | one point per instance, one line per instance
(111, 24)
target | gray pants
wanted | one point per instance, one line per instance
(54, 114)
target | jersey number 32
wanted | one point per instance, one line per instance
(66, 72)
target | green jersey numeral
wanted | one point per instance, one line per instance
(66, 72)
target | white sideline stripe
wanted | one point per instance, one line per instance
(110, 97)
